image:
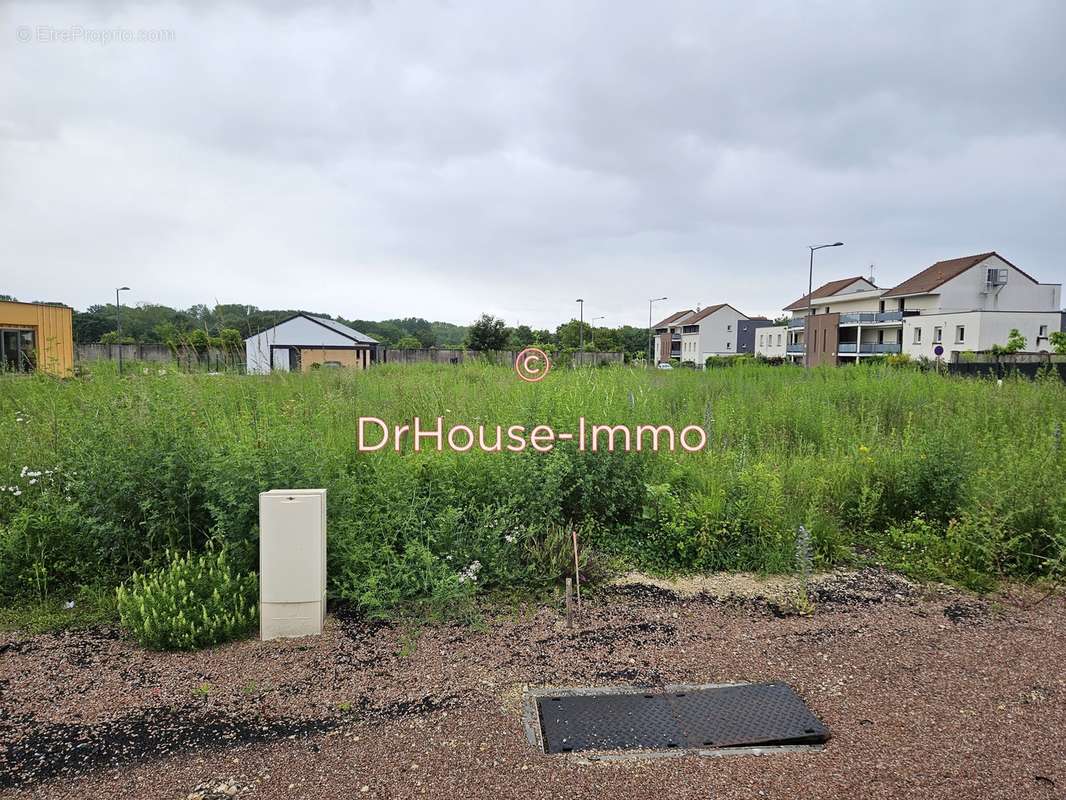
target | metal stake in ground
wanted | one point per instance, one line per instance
(577, 571)
(569, 603)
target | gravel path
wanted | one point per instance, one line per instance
(926, 696)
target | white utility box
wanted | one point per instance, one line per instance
(292, 562)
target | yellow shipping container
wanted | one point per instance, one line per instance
(36, 336)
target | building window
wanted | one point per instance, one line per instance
(1041, 333)
(938, 335)
(18, 350)
(960, 334)
(729, 327)
(728, 346)
(779, 340)
(917, 335)
(761, 341)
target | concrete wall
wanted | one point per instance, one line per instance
(506, 357)
(213, 357)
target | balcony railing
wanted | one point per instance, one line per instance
(795, 348)
(863, 317)
(847, 347)
(797, 322)
(876, 348)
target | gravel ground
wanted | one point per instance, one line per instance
(926, 694)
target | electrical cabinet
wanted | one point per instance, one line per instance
(292, 562)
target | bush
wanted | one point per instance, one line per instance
(195, 601)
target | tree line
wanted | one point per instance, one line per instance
(227, 325)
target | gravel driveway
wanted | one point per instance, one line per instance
(927, 694)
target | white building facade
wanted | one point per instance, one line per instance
(694, 336)
(964, 304)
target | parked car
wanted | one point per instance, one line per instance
(664, 365)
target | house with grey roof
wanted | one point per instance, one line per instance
(304, 342)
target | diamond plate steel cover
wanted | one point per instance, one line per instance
(766, 714)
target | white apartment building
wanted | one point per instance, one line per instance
(969, 303)
(695, 335)
(771, 342)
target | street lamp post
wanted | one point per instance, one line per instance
(651, 336)
(810, 308)
(581, 326)
(592, 331)
(118, 324)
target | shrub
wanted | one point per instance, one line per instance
(194, 601)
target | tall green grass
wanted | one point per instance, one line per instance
(952, 479)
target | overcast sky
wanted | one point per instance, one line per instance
(440, 159)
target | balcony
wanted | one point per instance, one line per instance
(676, 337)
(870, 317)
(797, 322)
(847, 347)
(795, 348)
(874, 348)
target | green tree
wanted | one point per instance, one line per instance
(488, 333)
(198, 340)
(408, 343)
(569, 334)
(1058, 341)
(1015, 343)
(521, 337)
(230, 339)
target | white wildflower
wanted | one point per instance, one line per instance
(162, 372)
(510, 538)
(145, 371)
(24, 471)
(17, 492)
(470, 573)
(68, 604)
(33, 481)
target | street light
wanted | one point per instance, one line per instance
(810, 309)
(118, 324)
(651, 337)
(593, 330)
(581, 326)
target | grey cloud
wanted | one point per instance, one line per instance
(442, 159)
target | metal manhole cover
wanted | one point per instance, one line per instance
(767, 714)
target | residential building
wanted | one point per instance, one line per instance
(303, 342)
(772, 341)
(746, 330)
(36, 336)
(969, 303)
(668, 337)
(973, 303)
(693, 336)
